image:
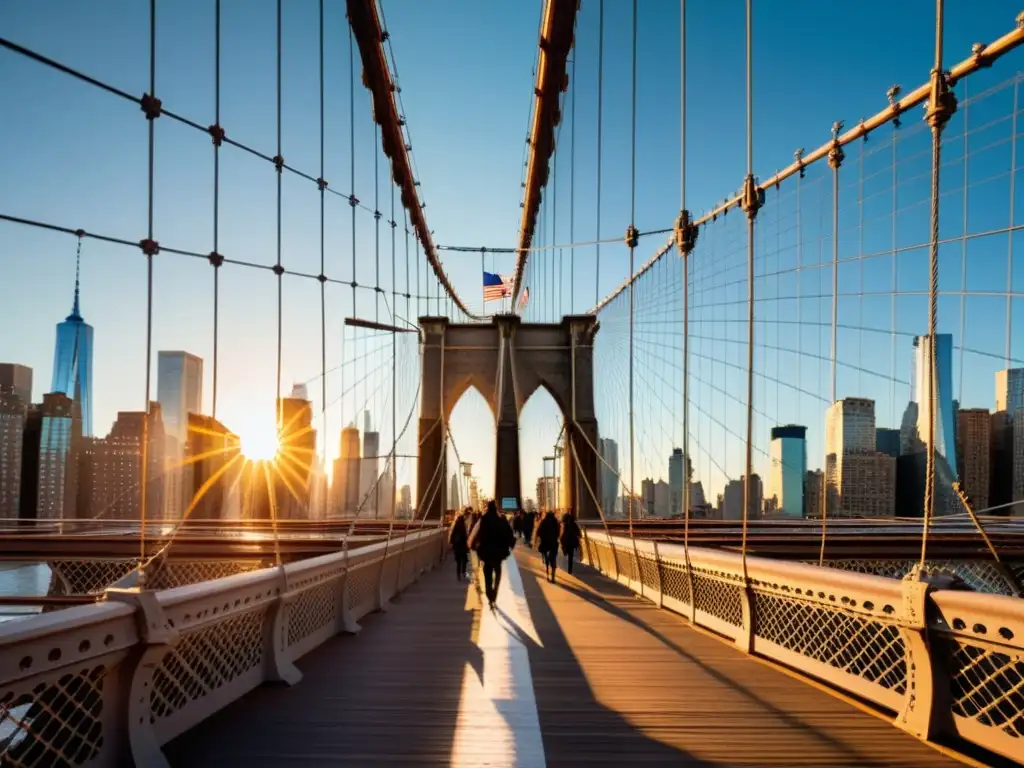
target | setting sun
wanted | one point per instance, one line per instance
(259, 439)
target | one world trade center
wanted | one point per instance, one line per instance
(72, 359)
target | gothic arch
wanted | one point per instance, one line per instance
(507, 361)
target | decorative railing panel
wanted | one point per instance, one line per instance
(110, 683)
(944, 661)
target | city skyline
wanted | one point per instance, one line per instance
(105, 198)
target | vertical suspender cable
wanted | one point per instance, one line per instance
(751, 213)
(323, 280)
(686, 300)
(352, 178)
(272, 477)
(377, 291)
(895, 244)
(631, 237)
(216, 208)
(1009, 240)
(939, 111)
(150, 253)
(572, 194)
(556, 256)
(600, 122)
(835, 159)
(963, 237)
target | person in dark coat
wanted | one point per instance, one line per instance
(458, 540)
(528, 521)
(493, 540)
(547, 544)
(570, 538)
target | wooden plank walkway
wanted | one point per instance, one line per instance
(580, 672)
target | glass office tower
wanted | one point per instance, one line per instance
(72, 361)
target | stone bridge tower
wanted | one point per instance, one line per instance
(507, 360)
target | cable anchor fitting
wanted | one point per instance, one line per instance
(978, 50)
(894, 103)
(836, 154)
(151, 106)
(217, 134)
(752, 198)
(215, 259)
(353, 200)
(941, 102)
(279, 163)
(321, 184)
(798, 158)
(685, 233)
(278, 270)
(632, 236)
(149, 247)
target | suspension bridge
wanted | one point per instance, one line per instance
(831, 574)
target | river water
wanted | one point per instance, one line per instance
(22, 579)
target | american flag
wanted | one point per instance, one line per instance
(496, 286)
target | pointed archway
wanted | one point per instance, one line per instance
(507, 360)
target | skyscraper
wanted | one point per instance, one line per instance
(732, 498)
(110, 473)
(216, 465)
(609, 471)
(72, 359)
(369, 496)
(454, 496)
(46, 458)
(789, 466)
(345, 485)
(295, 459)
(16, 379)
(179, 390)
(887, 441)
(974, 439)
(1010, 389)
(13, 412)
(945, 428)
(676, 482)
(405, 505)
(858, 479)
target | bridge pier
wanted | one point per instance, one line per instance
(506, 361)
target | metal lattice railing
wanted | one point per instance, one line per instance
(896, 643)
(62, 675)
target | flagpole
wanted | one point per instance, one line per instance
(483, 283)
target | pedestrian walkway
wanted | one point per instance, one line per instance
(580, 672)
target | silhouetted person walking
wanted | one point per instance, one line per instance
(492, 538)
(547, 544)
(570, 538)
(458, 539)
(528, 521)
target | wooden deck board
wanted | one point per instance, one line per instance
(616, 682)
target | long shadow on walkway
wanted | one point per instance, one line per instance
(576, 728)
(389, 695)
(689, 689)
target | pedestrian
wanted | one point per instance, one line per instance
(492, 540)
(570, 537)
(528, 522)
(547, 544)
(458, 540)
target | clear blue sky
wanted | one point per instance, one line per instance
(76, 156)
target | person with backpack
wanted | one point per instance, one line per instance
(570, 537)
(492, 540)
(458, 540)
(547, 544)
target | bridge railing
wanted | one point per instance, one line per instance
(110, 683)
(944, 662)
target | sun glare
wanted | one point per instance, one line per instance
(259, 440)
